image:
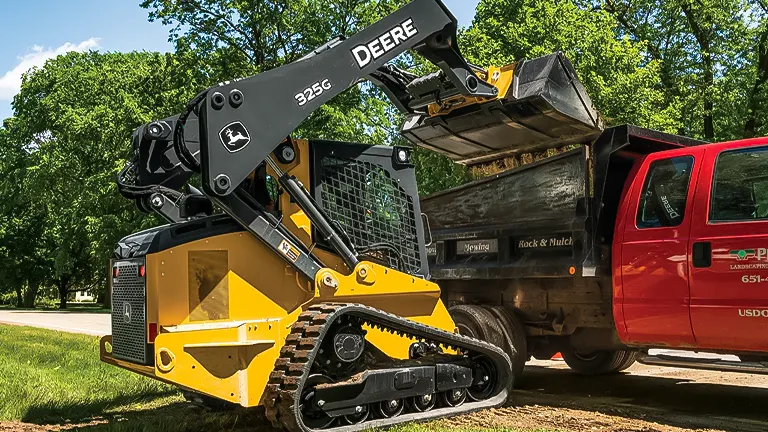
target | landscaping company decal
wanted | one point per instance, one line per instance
(477, 247)
(545, 242)
(744, 255)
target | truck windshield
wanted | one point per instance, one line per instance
(665, 192)
(740, 186)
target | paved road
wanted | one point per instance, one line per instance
(95, 324)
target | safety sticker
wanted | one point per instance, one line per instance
(289, 251)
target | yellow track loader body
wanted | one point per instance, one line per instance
(309, 292)
(222, 306)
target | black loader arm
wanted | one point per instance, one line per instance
(243, 121)
(230, 130)
(155, 177)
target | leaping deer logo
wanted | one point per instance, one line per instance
(127, 313)
(234, 136)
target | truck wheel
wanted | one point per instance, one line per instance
(479, 323)
(516, 340)
(598, 362)
(630, 357)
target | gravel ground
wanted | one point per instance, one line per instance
(644, 399)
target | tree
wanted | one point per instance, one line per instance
(22, 229)
(229, 40)
(75, 117)
(713, 56)
(622, 81)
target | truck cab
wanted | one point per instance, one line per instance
(690, 267)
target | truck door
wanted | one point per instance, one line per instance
(654, 248)
(729, 237)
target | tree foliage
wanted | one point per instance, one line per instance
(697, 68)
(232, 39)
(622, 81)
(70, 135)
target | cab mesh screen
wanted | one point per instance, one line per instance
(373, 211)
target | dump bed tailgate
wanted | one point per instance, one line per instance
(527, 222)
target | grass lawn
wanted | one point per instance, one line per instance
(52, 378)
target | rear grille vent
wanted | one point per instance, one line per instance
(374, 211)
(129, 337)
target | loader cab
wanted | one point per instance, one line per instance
(371, 193)
(689, 251)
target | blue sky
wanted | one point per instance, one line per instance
(32, 31)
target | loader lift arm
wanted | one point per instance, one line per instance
(242, 122)
(272, 104)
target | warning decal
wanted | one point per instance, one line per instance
(289, 251)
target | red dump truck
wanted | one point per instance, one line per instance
(635, 241)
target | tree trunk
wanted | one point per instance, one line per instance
(19, 298)
(30, 295)
(63, 286)
(703, 32)
(709, 106)
(63, 298)
(750, 125)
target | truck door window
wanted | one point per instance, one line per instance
(665, 192)
(740, 186)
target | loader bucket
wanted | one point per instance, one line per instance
(545, 107)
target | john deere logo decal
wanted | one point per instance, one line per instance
(742, 254)
(127, 313)
(234, 136)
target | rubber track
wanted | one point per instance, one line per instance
(285, 385)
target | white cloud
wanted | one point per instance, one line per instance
(10, 83)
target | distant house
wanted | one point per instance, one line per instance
(84, 296)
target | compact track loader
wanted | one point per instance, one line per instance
(308, 293)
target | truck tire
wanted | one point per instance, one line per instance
(516, 341)
(630, 357)
(477, 322)
(480, 323)
(598, 362)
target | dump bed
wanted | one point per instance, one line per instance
(551, 218)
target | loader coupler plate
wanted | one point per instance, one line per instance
(545, 107)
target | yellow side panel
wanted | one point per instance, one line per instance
(396, 346)
(222, 278)
(391, 291)
(230, 363)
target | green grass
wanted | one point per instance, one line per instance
(55, 378)
(49, 376)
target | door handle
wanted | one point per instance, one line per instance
(702, 254)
